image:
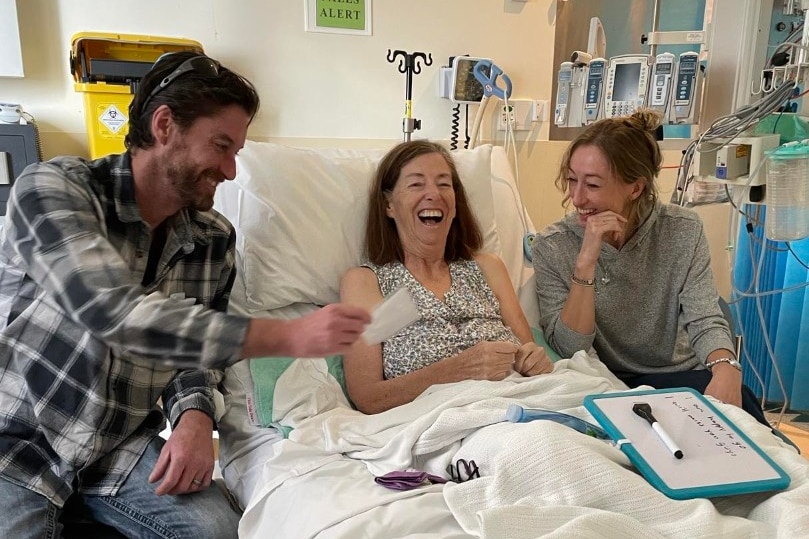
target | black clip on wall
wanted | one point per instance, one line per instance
(409, 64)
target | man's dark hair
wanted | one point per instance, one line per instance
(192, 95)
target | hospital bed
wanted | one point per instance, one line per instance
(301, 462)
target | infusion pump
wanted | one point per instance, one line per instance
(594, 92)
(660, 88)
(626, 84)
(618, 86)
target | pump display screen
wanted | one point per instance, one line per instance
(625, 87)
(663, 69)
(688, 67)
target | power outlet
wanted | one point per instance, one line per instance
(541, 107)
(519, 112)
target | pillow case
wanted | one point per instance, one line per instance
(513, 223)
(300, 217)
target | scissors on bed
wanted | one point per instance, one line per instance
(487, 74)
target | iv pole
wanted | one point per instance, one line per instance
(409, 64)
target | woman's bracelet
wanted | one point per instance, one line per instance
(582, 282)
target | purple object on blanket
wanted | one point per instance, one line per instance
(407, 480)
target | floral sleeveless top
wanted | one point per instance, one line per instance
(468, 314)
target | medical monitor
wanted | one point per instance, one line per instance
(626, 84)
(465, 87)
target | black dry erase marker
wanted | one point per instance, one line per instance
(644, 410)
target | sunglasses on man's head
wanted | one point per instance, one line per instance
(201, 64)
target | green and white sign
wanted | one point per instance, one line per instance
(339, 16)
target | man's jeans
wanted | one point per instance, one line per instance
(136, 511)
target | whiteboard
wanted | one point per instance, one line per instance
(718, 458)
(10, 47)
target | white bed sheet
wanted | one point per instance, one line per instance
(538, 479)
(245, 450)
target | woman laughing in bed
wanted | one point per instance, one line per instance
(421, 234)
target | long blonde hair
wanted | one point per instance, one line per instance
(630, 147)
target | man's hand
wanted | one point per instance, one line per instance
(186, 461)
(531, 360)
(330, 330)
(725, 384)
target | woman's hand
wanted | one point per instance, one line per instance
(487, 360)
(725, 384)
(531, 360)
(605, 226)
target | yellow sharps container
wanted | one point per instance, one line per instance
(107, 69)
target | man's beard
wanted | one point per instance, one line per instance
(186, 182)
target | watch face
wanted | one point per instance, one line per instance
(736, 363)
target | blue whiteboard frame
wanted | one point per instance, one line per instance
(708, 491)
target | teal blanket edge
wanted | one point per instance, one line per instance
(268, 370)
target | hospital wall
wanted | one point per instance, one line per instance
(322, 89)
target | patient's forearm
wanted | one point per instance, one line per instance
(381, 396)
(386, 395)
(486, 360)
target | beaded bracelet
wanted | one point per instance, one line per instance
(582, 282)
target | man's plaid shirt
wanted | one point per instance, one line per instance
(85, 349)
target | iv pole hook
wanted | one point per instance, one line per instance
(409, 64)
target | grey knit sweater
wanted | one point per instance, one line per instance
(656, 303)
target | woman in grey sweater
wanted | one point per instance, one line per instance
(631, 277)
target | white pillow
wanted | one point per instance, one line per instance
(513, 223)
(300, 217)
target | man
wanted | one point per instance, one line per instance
(114, 274)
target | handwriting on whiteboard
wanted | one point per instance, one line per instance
(724, 439)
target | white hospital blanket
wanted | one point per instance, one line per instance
(538, 479)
